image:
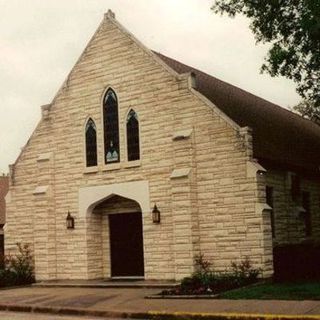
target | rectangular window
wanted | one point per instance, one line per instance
(307, 214)
(269, 200)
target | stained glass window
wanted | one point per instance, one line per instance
(111, 127)
(91, 143)
(133, 145)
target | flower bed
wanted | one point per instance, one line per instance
(207, 282)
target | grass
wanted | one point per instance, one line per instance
(277, 291)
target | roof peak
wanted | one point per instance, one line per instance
(110, 14)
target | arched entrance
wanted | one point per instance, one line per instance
(125, 236)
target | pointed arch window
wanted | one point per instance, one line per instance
(133, 143)
(91, 144)
(111, 127)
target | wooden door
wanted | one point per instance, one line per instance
(126, 244)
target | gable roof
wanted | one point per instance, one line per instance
(280, 137)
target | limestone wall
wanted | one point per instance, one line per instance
(289, 218)
(209, 206)
(4, 187)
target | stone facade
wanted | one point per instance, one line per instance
(4, 188)
(196, 165)
(289, 213)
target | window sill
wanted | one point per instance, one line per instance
(112, 166)
(132, 164)
(90, 170)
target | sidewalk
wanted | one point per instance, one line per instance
(130, 302)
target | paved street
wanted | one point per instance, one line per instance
(34, 316)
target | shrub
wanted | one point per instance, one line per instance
(198, 283)
(244, 269)
(205, 281)
(7, 278)
(17, 269)
(201, 264)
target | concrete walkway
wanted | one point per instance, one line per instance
(130, 302)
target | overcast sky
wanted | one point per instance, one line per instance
(41, 40)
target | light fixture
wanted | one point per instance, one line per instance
(261, 173)
(70, 221)
(155, 214)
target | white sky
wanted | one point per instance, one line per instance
(40, 40)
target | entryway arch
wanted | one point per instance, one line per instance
(123, 237)
(114, 217)
(90, 197)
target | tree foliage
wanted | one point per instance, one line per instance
(293, 29)
(307, 110)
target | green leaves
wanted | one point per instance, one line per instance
(206, 281)
(293, 29)
(17, 269)
(308, 110)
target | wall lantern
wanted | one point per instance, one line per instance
(155, 214)
(70, 221)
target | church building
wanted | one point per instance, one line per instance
(140, 163)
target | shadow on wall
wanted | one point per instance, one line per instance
(297, 262)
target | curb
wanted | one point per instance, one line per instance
(181, 296)
(15, 287)
(226, 316)
(153, 315)
(73, 311)
(106, 285)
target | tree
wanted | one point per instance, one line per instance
(307, 110)
(293, 29)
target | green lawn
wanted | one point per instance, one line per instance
(277, 291)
